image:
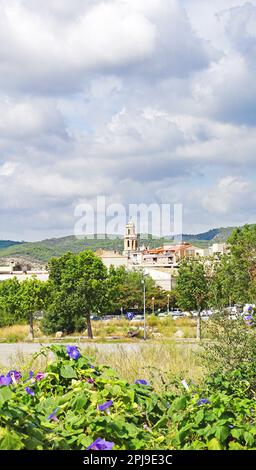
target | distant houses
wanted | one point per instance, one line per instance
(160, 263)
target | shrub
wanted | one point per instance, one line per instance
(74, 403)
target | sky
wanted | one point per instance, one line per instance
(149, 101)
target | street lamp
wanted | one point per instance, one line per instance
(144, 307)
(153, 305)
(168, 303)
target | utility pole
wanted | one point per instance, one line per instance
(153, 305)
(144, 308)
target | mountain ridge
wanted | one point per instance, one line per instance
(43, 250)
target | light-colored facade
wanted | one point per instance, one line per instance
(161, 263)
(22, 276)
(130, 240)
(218, 249)
(112, 258)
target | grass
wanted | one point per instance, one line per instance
(158, 363)
(16, 333)
(158, 329)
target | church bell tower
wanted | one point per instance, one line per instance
(130, 239)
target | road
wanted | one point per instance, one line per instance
(8, 351)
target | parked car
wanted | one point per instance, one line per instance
(95, 317)
(138, 318)
(162, 315)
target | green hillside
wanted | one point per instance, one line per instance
(42, 251)
(7, 243)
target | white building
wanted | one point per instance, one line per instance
(22, 276)
(218, 248)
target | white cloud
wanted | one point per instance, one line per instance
(129, 99)
(7, 169)
(41, 52)
(229, 194)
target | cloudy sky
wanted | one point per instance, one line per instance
(142, 101)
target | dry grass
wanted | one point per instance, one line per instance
(157, 363)
(14, 333)
(164, 327)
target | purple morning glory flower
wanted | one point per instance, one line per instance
(73, 352)
(53, 415)
(101, 444)
(15, 375)
(141, 382)
(5, 380)
(251, 410)
(203, 401)
(30, 391)
(40, 376)
(105, 406)
(90, 381)
(248, 317)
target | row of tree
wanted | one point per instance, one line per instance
(79, 285)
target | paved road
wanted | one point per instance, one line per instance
(8, 351)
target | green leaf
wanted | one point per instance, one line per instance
(67, 372)
(199, 417)
(235, 446)
(222, 432)
(5, 394)
(179, 404)
(237, 433)
(80, 401)
(249, 439)
(214, 444)
(9, 440)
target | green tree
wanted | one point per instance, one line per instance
(192, 288)
(79, 288)
(33, 295)
(10, 311)
(126, 291)
(222, 281)
(242, 247)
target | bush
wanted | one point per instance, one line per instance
(232, 343)
(74, 403)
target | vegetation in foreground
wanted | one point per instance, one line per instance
(76, 404)
(73, 404)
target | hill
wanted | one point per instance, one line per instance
(42, 251)
(7, 243)
(216, 235)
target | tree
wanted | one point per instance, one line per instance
(10, 312)
(33, 298)
(242, 247)
(79, 288)
(192, 288)
(125, 290)
(221, 283)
